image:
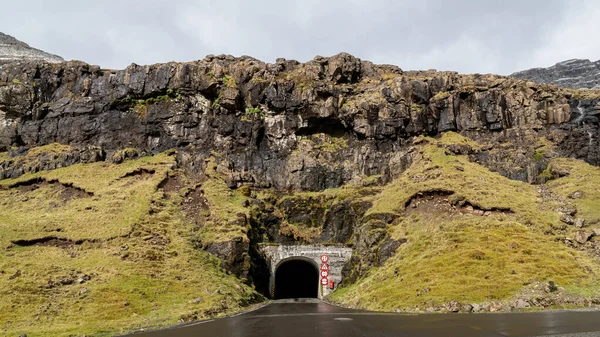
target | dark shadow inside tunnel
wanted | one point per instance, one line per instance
(296, 279)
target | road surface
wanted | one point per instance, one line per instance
(285, 319)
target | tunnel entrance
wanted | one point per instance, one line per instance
(296, 279)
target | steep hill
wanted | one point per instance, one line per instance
(13, 50)
(455, 191)
(576, 73)
(103, 248)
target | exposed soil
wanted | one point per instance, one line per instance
(68, 190)
(445, 201)
(142, 173)
(195, 203)
(28, 185)
(171, 184)
(51, 241)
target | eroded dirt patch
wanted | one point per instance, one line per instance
(448, 202)
(28, 185)
(195, 204)
(171, 184)
(68, 191)
(49, 241)
(142, 173)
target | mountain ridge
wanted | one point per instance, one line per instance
(573, 73)
(13, 50)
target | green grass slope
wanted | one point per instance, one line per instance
(583, 178)
(99, 249)
(485, 239)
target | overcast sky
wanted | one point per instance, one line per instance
(469, 36)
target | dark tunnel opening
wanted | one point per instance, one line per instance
(296, 279)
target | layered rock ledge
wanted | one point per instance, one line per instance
(307, 126)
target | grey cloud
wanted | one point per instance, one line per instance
(466, 36)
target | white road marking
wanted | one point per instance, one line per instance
(201, 322)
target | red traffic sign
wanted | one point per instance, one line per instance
(324, 258)
(324, 281)
(324, 273)
(324, 267)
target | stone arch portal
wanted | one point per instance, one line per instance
(293, 268)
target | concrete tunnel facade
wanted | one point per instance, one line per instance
(294, 269)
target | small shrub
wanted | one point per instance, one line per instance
(255, 111)
(217, 102)
(546, 174)
(229, 81)
(141, 108)
(441, 95)
(416, 107)
(538, 155)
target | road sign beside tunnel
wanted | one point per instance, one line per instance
(324, 267)
(324, 281)
(324, 273)
(324, 258)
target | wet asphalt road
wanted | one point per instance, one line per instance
(320, 319)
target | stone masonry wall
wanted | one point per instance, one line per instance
(338, 256)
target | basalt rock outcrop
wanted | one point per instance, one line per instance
(290, 125)
(576, 73)
(21, 161)
(13, 50)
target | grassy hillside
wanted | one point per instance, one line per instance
(103, 248)
(474, 235)
(581, 186)
(95, 248)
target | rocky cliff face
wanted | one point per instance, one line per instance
(13, 50)
(576, 73)
(290, 125)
